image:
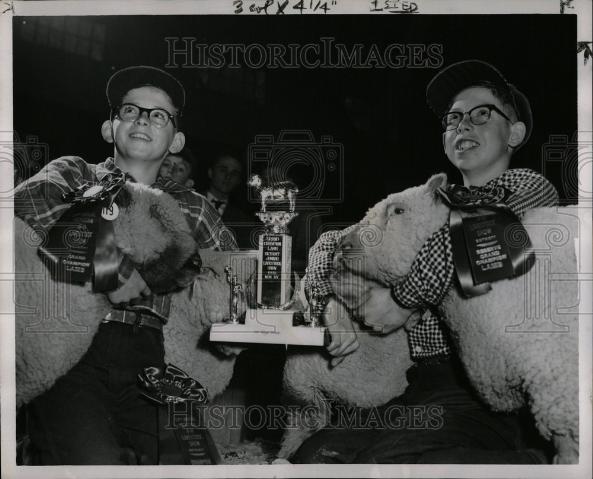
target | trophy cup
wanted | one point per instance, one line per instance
(273, 320)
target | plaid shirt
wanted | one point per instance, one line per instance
(38, 201)
(432, 271)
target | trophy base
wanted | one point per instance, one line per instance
(269, 326)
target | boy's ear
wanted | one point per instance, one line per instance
(107, 131)
(178, 143)
(518, 130)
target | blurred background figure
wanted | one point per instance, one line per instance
(179, 167)
(225, 177)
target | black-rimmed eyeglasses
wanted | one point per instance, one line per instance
(158, 117)
(478, 115)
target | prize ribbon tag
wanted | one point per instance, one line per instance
(483, 236)
(80, 244)
(70, 248)
(488, 254)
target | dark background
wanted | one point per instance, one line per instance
(390, 138)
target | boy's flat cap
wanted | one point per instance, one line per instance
(458, 76)
(126, 79)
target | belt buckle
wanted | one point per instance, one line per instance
(106, 319)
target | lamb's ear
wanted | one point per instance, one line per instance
(435, 182)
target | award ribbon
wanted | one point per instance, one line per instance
(489, 242)
(171, 385)
(81, 244)
(180, 441)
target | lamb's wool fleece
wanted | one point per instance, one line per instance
(372, 375)
(193, 311)
(155, 217)
(156, 236)
(519, 342)
(55, 322)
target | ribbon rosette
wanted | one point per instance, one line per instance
(171, 385)
(461, 197)
(88, 193)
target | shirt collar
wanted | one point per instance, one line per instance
(167, 184)
(108, 167)
(506, 179)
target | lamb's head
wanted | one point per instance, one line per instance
(154, 233)
(384, 244)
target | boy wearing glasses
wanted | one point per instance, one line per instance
(95, 414)
(485, 120)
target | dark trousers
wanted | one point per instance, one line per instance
(438, 419)
(94, 414)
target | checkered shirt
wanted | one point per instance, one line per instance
(38, 201)
(432, 271)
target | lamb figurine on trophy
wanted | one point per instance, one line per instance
(274, 320)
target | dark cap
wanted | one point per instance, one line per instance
(126, 79)
(457, 77)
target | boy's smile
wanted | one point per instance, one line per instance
(464, 144)
(479, 152)
(140, 139)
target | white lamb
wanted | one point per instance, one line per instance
(519, 342)
(55, 322)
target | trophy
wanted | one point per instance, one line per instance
(273, 318)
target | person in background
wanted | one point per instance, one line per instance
(225, 176)
(179, 167)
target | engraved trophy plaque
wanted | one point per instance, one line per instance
(275, 244)
(274, 320)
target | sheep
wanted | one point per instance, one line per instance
(510, 357)
(55, 321)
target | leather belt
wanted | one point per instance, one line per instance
(432, 360)
(134, 318)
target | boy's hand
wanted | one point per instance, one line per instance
(133, 288)
(379, 311)
(343, 337)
